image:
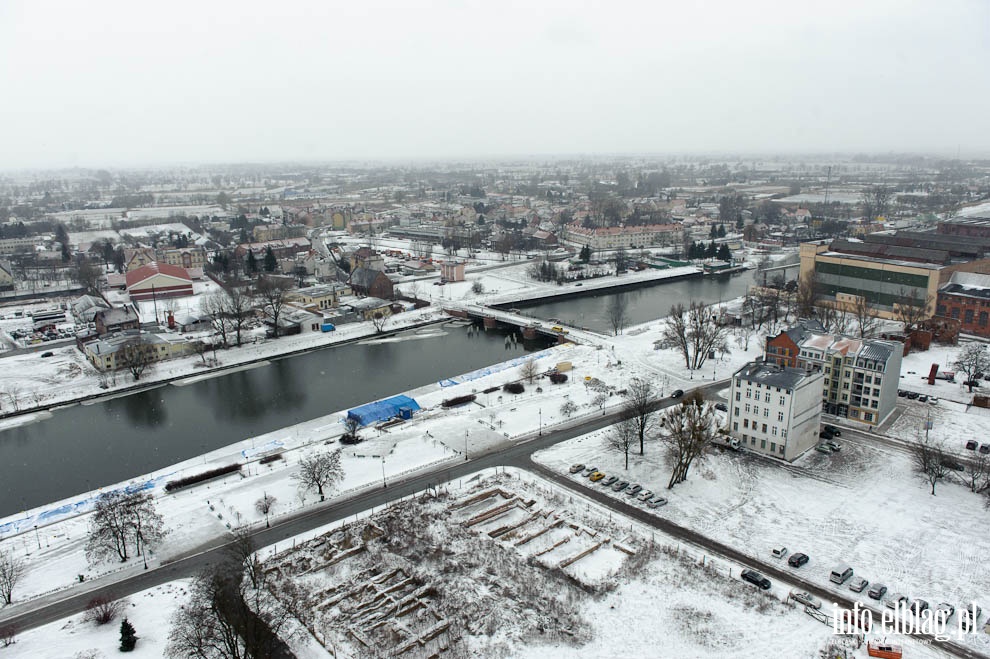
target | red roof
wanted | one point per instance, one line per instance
(135, 277)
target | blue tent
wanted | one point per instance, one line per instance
(384, 409)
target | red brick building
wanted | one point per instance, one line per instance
(965, 298)
(783, 349)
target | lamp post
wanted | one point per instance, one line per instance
(466, 433)
(384, 484)
(37, 537)
(541, 421)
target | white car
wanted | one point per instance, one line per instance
(807, 599)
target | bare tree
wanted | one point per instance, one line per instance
(978, 473)
(621, 260)
(675, 332)
(529, 370)
(11, 571)
(687, 431)
(215, 305)
(136, 356)
(834, 319)
(104, 609)
(8, 635)
(599, 401)
(931, 462)
(973, 359)
(264, 506)
(876, 200)
(271, 295)
(642, 406)
(865, 316)
(705, 333)
(240, 308)
(911, 309)
(378, 320)
(568, 408)
(621, 437)
(88, 275)
(618, 312)
(807, 295)
(120, 519)
(318, 471)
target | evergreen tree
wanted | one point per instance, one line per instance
(128, 639)
(739, 222)
(711, 250)
(252, 262)
(270, 261)
(724, 254)
(713, 233)
(721, 231)
(585, 254)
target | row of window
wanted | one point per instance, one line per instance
(761, 427)
(756, 410)
(967, 317)
(763, 444)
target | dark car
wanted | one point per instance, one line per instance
(877, 591)
(972, 444)
(48, 354)
(677, 393)
(755, 578)
(721, 407)
(985, 449)
(923, 398)
(832, 429)
(902, 393)
(797, 560)
(913, 395)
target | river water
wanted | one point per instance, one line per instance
(83, 447)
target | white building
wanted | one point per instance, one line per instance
(775, 410)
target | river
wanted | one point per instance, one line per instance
(83, 447)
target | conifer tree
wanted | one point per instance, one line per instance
(128, 639)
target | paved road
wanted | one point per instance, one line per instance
(518, 454)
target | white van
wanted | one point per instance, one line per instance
(779, 552)
(841, 574)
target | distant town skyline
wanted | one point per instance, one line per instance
(116, 84)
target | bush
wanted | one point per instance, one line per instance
(558, 378)
(8, 635)
(199, 478)
(513, 387)
(490, 390)
(460, 400)
(103, 609)
(270, 458)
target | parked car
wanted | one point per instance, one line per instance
(589, 471)
(895, 601)
(933, 400)
(877, 591)
(823, 448)
(972, 444)
(634, 489)
(807, 599)
(858, 584)
(967, 618)
(917, 606)
(913, 395)
(597, 476)
(621, 485)
(944, 610)
(922, 398)
(576, 468)
(645, 495)
(902, 393)
(677, 393)
(611, 480)
(985, 449)
(48, 354)
(832, 429)
(656, 502)
(721, 407)
(779, 552)
(834, 445)
(797, 560)
(755, 578)
(825, 435)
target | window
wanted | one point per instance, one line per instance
(735, 425)
(848, 373)
(869, 379)
(752, 441)
(738, 382)
(756, 409)
(745, 423)
(766, 398)
(873, 404)
(749, 393)
(876, 380)
(845, 396)
(763, 443)
(783, 433)
(876, 392)
(845, 385)
(955, 313)
(780, 416)
(781, 449)
(826, 382)
(766, 412)
(764, 427)
(868, 416)
(747, 407)
(983, 319)
(736, 410)
(828, 369)
(783, 400)
(738, 396)
(968, 317)
(774, 431)
(773, 447)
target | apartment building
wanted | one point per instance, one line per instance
(775, 410)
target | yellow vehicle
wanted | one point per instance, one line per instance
(597, 476)
(558, 329)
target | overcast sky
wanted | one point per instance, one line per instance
(125, 83)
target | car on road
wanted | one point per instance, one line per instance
(972, 444)
(677, 393)
(656, 502)
(832, 429)
(896, 601)
(922, 398)
(576, 468)
(917, 606)
(877, 591)
(834, 445)
(807, 599)
(985, 449)
(645, 495)
(797, 560)
(48, 354)
(944, 610)
(621, 485)
(933, 400)
(858, 584)
(823, 448)
(589, 471)
(611, 480)
(721, 407)
(634, 489)
(755, 578)
(597, 476)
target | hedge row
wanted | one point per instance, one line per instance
(199, 478)
(270, 458)
(514, 387)
(460, 400)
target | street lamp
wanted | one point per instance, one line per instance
(384, 484)
(541, 421)
(466, 433)
(37, 537)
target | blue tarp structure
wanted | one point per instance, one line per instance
(384, 409)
